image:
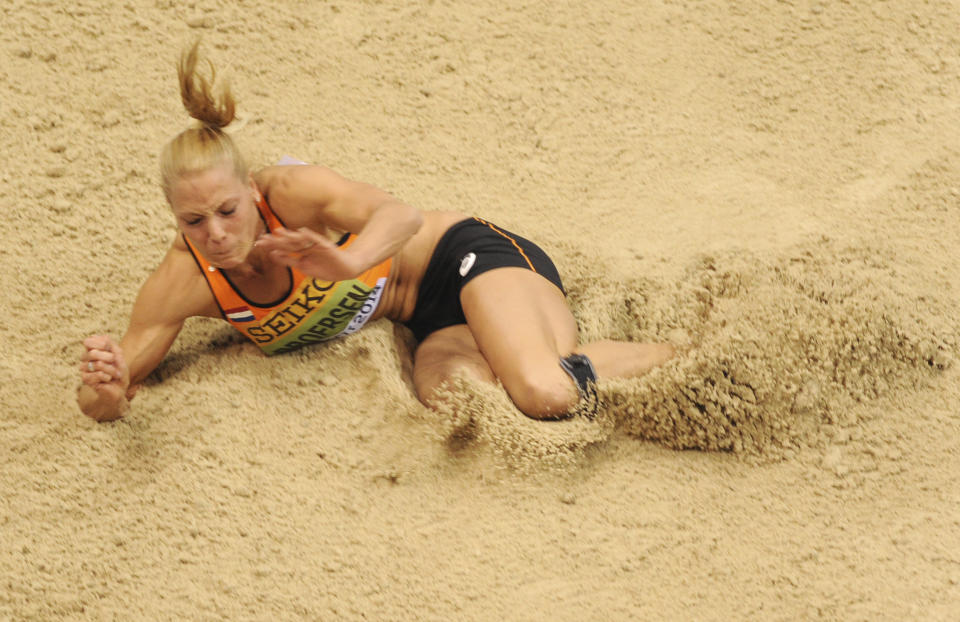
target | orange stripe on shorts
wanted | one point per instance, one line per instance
(512, 241)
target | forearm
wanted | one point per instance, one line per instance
(101, 406)
(390, 226)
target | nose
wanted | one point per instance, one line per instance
(215, 231)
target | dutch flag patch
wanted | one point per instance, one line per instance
(239, 314)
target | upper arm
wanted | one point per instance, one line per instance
(318, 195)
(167, 298)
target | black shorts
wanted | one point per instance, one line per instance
(468, 249)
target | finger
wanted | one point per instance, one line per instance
(293, 244)
(97, 342)
(283, 257)
(270, 242)
(102, 343)
(296, 236)
(102, 369)
(96, 378)
(281, 234)
(90, 380)
(293, 259)
(99, 355)
(316, 238)
(300, 241)
(119, 360)
(105, 378)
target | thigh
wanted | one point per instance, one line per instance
(522, 326)
(445, 353)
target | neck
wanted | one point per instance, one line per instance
(256, 263)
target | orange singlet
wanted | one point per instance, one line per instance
(312, 311)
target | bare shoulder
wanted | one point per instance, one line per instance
(307, 185)
(177, 289)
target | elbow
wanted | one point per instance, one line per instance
(414, 219)
(400, 215)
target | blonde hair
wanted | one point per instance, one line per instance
(206, 145)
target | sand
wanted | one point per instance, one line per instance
(774, 187)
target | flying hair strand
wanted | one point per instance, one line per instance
(197, 92)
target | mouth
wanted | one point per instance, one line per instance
(227, 258)
(220, 253)
(220, 259)
(235, 250)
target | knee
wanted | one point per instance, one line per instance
(429, 377)
(542, 396)
(662, 352)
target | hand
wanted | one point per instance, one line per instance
(104, 369)
(310, 253)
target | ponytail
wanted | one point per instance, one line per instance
(206, 145)
(197, 93)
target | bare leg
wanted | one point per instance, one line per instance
(624, 359)
(523, 327)
(518, 328)
(444, 354)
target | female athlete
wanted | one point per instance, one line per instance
(296, 254)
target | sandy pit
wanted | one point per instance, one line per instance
(774, 187)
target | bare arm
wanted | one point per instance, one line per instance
(111, 372)
(383, 223)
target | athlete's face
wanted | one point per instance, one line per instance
(217, 211)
